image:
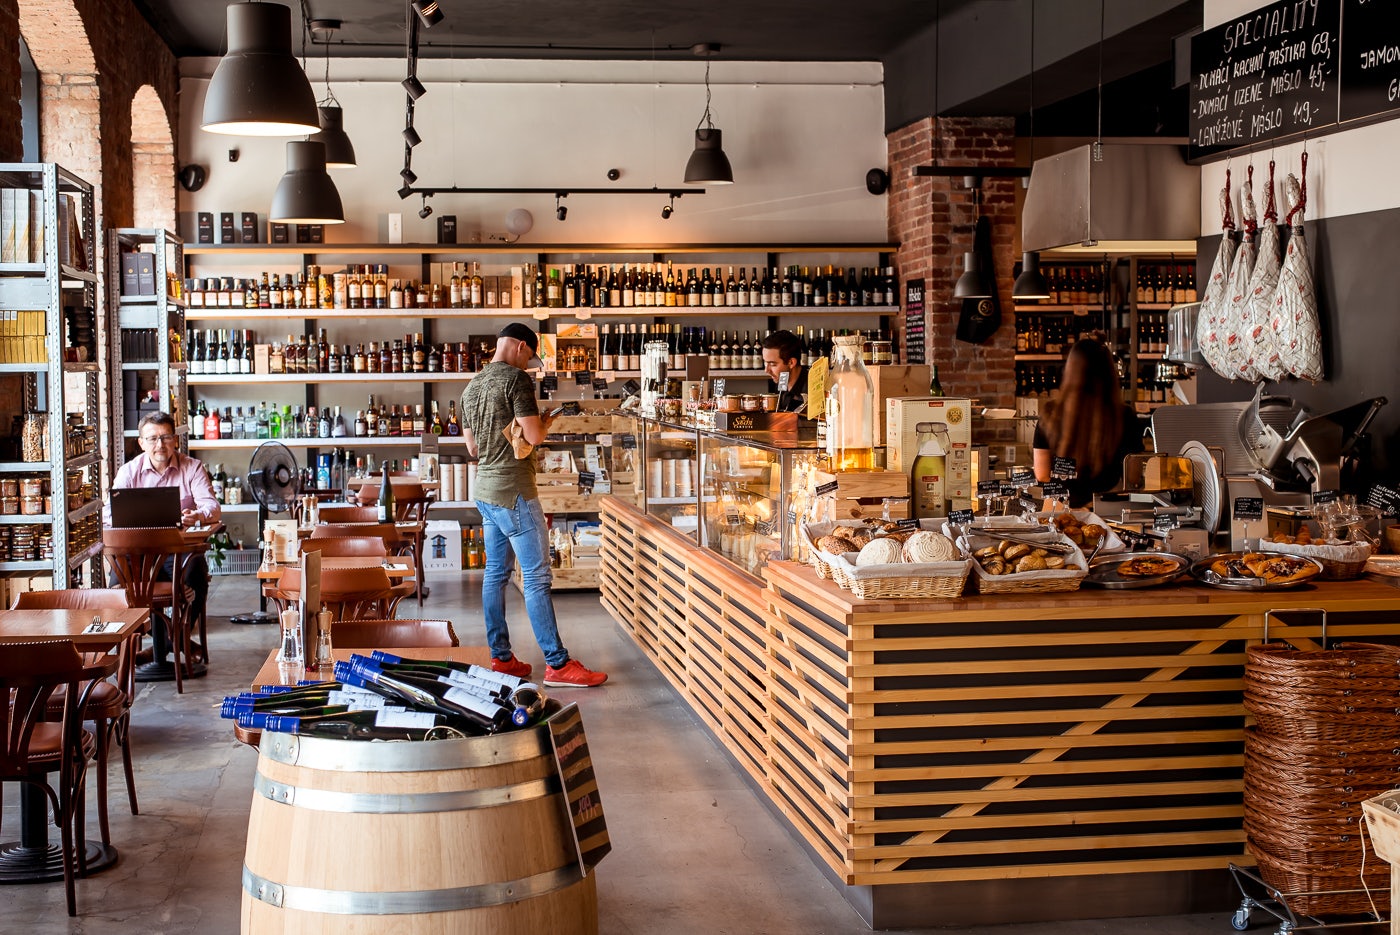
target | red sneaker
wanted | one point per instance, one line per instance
(573, 674)
(512, 666)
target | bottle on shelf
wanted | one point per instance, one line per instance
(385, 505)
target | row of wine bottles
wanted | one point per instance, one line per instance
(380, 420)
(603, 285)
(387, 697)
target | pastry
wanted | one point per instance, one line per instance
(1030, 563)
(1147, 566)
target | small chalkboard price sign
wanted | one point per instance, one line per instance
(549, 384)
(629, 442)
(988, 488)
(1370, 75)
(1022, 478)
(1248, 508)
(1164, 522)
(1054, 490)
(960, 517)
(587, 480)
(1324, 496)
(914, 321)
(583, 378)
(1386, 499)
(580, 787)
(1064, 469)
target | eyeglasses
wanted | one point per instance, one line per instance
(158, 439)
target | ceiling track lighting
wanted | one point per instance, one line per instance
(429, 14)
(427, 209)
(340, 152)
(560, 211)
(708, 165)
(404, 192)
(414, 87)
(411, 137)
(668, 209)
(258, 89)
(306, 194)
(409, 176)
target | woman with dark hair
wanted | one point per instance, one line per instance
(1087, 421)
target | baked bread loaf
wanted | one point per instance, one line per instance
(836, 545)
(928, 546)
(883, 551)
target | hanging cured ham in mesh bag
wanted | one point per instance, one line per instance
(1261, 358)
(1237, 287)
(1295, 322)
(1214, 300)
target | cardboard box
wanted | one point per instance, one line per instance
(278, 233)
(131, 282)
(145, 274)
(227, 232)
(903, 415)
(204, 227)
(250, 227)
(896, 381)
(447, 228)
(442, 548)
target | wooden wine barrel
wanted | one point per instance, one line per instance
(449, 837)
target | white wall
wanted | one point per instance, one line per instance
(800, 137)
(1349, 172)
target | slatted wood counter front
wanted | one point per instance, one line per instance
(979, 760)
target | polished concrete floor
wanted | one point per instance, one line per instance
(694, 850)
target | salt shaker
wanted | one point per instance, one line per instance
(290, 653)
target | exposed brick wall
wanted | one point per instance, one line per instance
(932, 221)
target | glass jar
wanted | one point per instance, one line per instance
(850, 408)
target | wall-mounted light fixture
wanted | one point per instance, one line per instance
(708, 165)
(306, 194)
(258, 89)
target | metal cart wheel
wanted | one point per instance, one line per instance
(1240, 920)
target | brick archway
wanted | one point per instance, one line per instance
(152, 161)
(69, 102)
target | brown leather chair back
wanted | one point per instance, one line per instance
(348, 514)
(136, 557)
(73, 599)
(346, 546)
(387, 634)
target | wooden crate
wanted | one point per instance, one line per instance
(861, 493)
(582, 577)
(891, 382)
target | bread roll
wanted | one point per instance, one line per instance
(880, 552)
(836, 545)
(927, 546)
(1030, 563)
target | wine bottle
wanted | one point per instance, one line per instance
(453, 427)
(436, 697)
(385, 504)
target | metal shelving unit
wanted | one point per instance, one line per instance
(64, 384)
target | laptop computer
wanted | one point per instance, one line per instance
(145, 507)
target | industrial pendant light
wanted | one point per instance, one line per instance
(1030, 284)
(258, 89)
(340, 152)
(971, 284)
(306, 194)
(708, 164)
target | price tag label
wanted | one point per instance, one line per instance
(1022, 478)
(587, 480)
(571, 408)
(1007, 490)
(767, 528)
(629, 442)
(1064, 468)
(549, 384)
(792, 517)
(960, 517)
(988, 488)
(600, 385)
(631, 387)
(908, 523)
(732, 517)
(1164, 522)
(1386, 499)
(783, 381)
(1055, 490)
(829, 487)
(1324, 496)
(1029, 503)
(1247, 508)
(718, 386)
(583, 378)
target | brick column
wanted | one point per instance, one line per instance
(932, 221)
(11, 135)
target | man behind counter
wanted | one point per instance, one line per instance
(782, 354)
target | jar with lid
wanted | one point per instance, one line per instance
(850, 408)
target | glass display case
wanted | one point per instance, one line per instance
(741, 496)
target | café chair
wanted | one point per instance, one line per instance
(349, 514)
(389, 634)
(348, 593)
(411, 502)
(347, 546)
(137, 557)
(32, 747)
(109, 706)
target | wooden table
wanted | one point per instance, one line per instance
(273, 674)
(32, 859)
(395, 570)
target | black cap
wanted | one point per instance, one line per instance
(521, 333)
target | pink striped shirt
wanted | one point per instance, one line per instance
(196, 490)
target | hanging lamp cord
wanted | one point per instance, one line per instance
(705, 117)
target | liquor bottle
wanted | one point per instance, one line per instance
(426, 693)
(225, 424)
(217, 480)
(353, 298)
(713, 351)
(361, 424)
(274, 422)
(658, 289)
(338, 428)
(935, 388)
(371, 419)
(453, 427)
(419, 425)
(436, 427)
(385, 503)
(406, 424)
(197, 420)
(731, 289)
(386, 422)
(263, 429)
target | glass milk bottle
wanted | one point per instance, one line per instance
(850, 408)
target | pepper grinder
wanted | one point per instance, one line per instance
(325, 659)
(290, 653)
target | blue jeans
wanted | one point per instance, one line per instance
(513, 533)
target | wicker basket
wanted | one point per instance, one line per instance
(1340, 562)
(1312, 887)
(880, 582)
(821, 560)
(1048, 581)
(1344, 694)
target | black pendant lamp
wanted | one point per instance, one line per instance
(971, 284)
(708, 165)
(306, 194)
(258, 89)
(1030, 284)
(340, 152)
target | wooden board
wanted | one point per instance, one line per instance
(582, 577)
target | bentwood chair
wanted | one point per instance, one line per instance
(347, 546)
(411, 502)
(349, 514)
(387, 634)
(137, 558)
(32, 748)
(348, 593)
(109, 706)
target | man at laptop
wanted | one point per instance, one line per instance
(161, 465)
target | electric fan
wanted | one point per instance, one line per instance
(275, 481)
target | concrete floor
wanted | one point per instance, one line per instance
(694, 850)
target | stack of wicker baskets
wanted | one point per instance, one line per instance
(1327, 736)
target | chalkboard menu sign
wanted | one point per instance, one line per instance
(580, 787)
(1267, 75)
(914, 321)
(1370, 77)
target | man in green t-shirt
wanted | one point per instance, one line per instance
(501, 424)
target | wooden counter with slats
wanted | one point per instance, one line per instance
(986, 759)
